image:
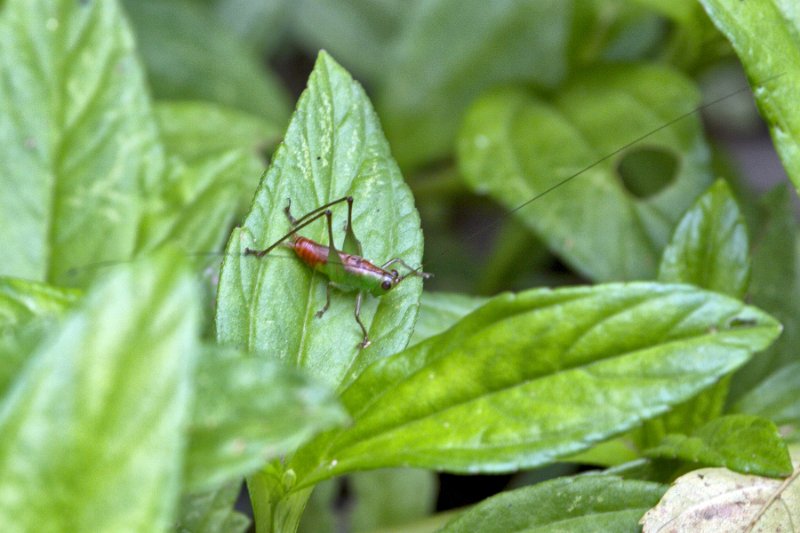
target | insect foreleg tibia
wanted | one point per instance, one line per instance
(365, 341)
(411, 270)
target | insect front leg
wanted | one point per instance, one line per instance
(321, 312)
(365, 342)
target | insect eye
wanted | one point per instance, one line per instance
(395, 274)
(386, 285)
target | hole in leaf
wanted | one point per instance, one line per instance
(647, 171)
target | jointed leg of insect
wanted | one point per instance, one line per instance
(365, 341)
(411, 270)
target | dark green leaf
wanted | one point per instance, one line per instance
(743, 443)
(775, 287)
(766, 36)
(247, 411)
(581, 503)
(528, 378)
(191, 130)
(776, 397)
(77, 138)
(190, 54)
(212, 512)
(91, 435)
(422, 100)
(710, 247)
(516, 147)
(440, 310)
(333, 147)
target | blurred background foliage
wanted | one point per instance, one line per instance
(431, 65)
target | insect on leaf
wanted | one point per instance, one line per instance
(333, 147)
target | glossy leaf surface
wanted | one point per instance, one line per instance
(580, 503)
(766, 36)
(528, 378)
(742, 443)
(710, 248)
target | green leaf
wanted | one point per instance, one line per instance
(743, 443)
(774, 287)
(528, 378)
(391, 497)
(517, 147)
(91, 435)
(766, 36)
(22, 301)
(580, 503)
(247, 411)
(422, 100)
(198, 203)
(212, 512)
(440, 310)
(333, 147)
(191, 130)
(77, 139)
(710, 247)
(776, 397)
(190, 54)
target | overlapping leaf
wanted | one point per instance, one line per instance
(91, 433)
(515, 146)
(528, 378)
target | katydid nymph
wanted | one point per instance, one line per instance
(345, 269)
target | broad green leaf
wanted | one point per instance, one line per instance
(190, 54)
(532, 377)
(580, 503)
(77, 138)
(451, 51)
(191, 130)
(743, 443)
(212, 512)
(360, 33)
(198, 204)
(776, 398)
(766, 36)
(440, 310)
(91, 435)
(247, 411)
(26, 312)
(774, 287)
(517, 147)
(333, 147)
(710, 247)
(21, 301)
(391, 497)
(715, 499)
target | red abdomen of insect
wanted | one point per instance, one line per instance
(311, 253)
